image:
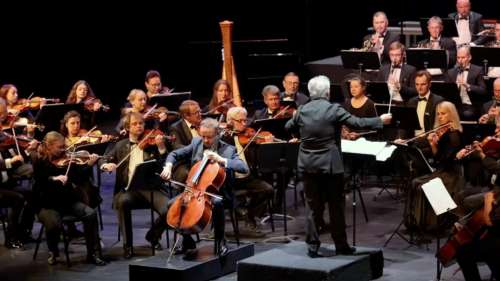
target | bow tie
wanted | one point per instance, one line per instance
(463, 18)
(193, 127)
(422, 99)
(462, 69)
(396, 66)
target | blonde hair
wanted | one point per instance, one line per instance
(454, 118)
(49, 139)
(133, 94)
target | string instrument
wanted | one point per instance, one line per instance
(80, 157)
(32, 103)
(490, 146)
(192, 210)
(153, 113)
(9, 140)
(93, 137)
(150, 136)
(258, 137)
(475, 226)
(228, 69)
(284, 112)
(440, 130)
(222, 107)
(90, 103)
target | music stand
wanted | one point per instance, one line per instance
(378, 92)
(276, 126)
(172, 101)
(402, 117)
(50, 114)
(448, 90)
(473, 131)
(417, 159)
(485, 56)
(449, 27)
(360, 60)
(426, 58)
(278, 157)
(144, 177)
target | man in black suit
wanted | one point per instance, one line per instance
(382, 38)
(398, 75)
(271, 95)
(129, 153)
(470, 82)
(184, 130)
(436, 41)
(291, 84)
(489, 109)
(319, 123)
(425, 103)
(469, 24)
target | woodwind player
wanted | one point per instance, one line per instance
(382, 38)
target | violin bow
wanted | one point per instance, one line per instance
(250, 141)
(15, 140)
(219, 106)
(281, 111)
(130, 152)
(85, 135)
(150, 110)
(70, 161)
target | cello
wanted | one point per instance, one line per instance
(192, 210)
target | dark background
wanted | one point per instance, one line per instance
(46, 48)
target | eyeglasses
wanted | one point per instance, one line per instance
(240, 120)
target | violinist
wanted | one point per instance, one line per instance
(271, 95)
(74, 134)
(123, 157)
(221, 101)
(81, 92)
(58, 197)
(248, 188)
(291, 86)
(16, 108)
(138, 103)
(153, 84)
(219, 151)
(442, 146)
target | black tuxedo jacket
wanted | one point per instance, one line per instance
(406, 79)
(389, 38)
(478, 93)
(430, 109)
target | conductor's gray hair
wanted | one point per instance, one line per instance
(319, 87)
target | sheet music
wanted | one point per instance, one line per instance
(379, 149)
(438, 196)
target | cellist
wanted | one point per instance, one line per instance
(210, 145)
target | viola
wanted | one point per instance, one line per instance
(191, 211)
(149, 137)
(80, 157)
(154, 113)
(261, 137)
(32, 104)
(90, 104)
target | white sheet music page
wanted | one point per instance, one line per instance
(438, 196)
(379, 149)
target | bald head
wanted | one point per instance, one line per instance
(463, 7)
(463, 56)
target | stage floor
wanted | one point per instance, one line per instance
(402, 261)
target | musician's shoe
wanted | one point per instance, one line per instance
(128, 252)
(345, 250)
(252, 230)
(14, 244)
(313, 251)
(96, 259)
(153, 240)
(221, 249)
(52, 258)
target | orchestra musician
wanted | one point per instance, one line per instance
(398, 75)
(469, 24)
(153, 84)
(494, 71)
(382, 38)
(128, 153)
(210, 145)
(81, 92)
(222, 97)
(248, 185)
(359, 105)
(291, 86)
(59, 198)
(469, 79)
(437, 41)
(320, 163)
(489, 109)
(138, 103)
(271, 95)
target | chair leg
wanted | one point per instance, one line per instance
(234, 222)
(66, 245)
(270, 210)
(99, 213)
(38, 241)
(151, 195)
(198, 237)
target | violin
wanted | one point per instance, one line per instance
(490, 146)
(32, 104)
(154, 113)
(250, 134)
(191, 211)
(90, 104)
(80, 157)
(149, 137)
(9, 141)
(95, 137)
(284, 112)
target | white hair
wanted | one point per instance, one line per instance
(210, 123)
(319, 87)
(233, 111)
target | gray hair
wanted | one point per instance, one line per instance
(233, 111)
(435, 19)
(466, 48)
(210, 123)
(270, 90)
(319, 87)
(380, 14)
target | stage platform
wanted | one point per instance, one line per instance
(291, 262)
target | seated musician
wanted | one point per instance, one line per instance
(271, 95)
(494, 71)
(437, 41)
(291, 84)
(398, 75)
(222, 98)
(469, 24)
(153, 84)
(225, 155)
(489, 110)
(73, 134)
(138, 103)
(129, 153)
(81, 92)
(12, 195)
(443, 145)
(359, 105)
(247, 185)
(58, 198)
(8, 93)
(469, 79)
(184, 130)
(382, 38)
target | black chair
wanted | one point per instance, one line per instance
(3, 218)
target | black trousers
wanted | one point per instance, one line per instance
(125, 201)
(252, 194)
(15, 201)
(484, 250)
(320, 189)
